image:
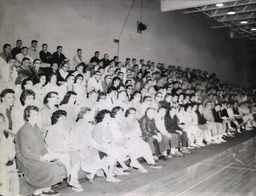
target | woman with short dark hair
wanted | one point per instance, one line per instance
(58, 141)
(102, 135)
(69, 104)
(38, 165)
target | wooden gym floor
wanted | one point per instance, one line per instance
(231, 172)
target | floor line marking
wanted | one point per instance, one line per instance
(204, 179)
(200, 162)
(229, 167)
(230, 148)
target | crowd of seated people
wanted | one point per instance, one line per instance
(106, 117)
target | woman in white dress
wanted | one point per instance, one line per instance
(120, 142)
(194, 133)
(61, 146)
(102, 133)
(89, 149)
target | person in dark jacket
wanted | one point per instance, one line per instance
(158, 143)
(45, 56)
(166, 102)
(95, 58)
(58, 57)
(171, 124)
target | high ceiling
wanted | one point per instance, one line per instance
(239, 17)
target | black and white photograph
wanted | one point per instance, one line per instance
(128, 97)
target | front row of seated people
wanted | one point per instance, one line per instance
(66, 142)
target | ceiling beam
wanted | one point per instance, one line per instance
(219, 8)
(171, 5)
(237, 19)
(225, 26)
(248, 32)
(237, 13)
(246, 28)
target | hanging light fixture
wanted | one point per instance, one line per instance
(244, 22)
(231, 12)
(219, 5)
(253, 29)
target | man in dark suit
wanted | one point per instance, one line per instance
(95, 58)
(58, 57)
(45, 56)
(157, 142)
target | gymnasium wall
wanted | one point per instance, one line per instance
(171, 37)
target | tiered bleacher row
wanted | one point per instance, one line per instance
(55, 122)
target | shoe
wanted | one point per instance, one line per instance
(230, 135)
(222, 140)
(51, 192)
(194, 146)
(127, 170)
(155, 158)
(179, 154)
(216, 142)
(119, 172)
(208, 142)
(75, 186)
(112, 179)
(164, 158)
(201, 144)
(77, 189)
(186, 151)
(90, 180)
(155, 166)
(142, 170)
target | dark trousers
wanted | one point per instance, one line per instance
(175, 140)
(183, 139)
(158, 148)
